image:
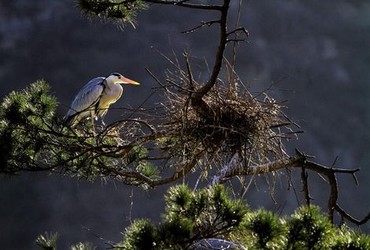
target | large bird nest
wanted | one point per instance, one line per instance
(227, 121)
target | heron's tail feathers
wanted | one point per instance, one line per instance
(71, 120)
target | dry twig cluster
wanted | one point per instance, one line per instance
(227, 120)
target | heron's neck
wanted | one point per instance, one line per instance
(109, 84)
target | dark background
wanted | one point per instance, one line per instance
(315, 54)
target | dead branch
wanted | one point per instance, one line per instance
(305, 189)
(301, 160)
(208, 23)
(350, 218)
(241, 30)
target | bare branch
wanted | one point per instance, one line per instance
(190, 74)
(242, 30)
(183, 171)
(306, 191)
(219, 54)
(186, 4)
(208, 23)
(350, 218)
(299, 160)
(155, 78)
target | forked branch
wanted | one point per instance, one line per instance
(303, 161)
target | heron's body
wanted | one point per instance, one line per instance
(94, 99)
(109, 96)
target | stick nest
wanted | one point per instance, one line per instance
(227, 121)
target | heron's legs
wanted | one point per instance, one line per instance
(93, 123)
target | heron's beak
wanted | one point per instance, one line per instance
(125, 80)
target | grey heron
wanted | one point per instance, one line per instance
(94, 99)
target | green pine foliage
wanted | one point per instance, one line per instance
(211, 211)
(263, 230)
(83, 246)
(47, 241)
(190, 216)
(309, 229)
(142, 234)
(24, 118)
(211, 214)
(346, 239)
(117, 11)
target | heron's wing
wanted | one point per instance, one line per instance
(86, 98)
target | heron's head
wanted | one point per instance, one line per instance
(117, 78)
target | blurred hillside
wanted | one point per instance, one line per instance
(313, 54)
